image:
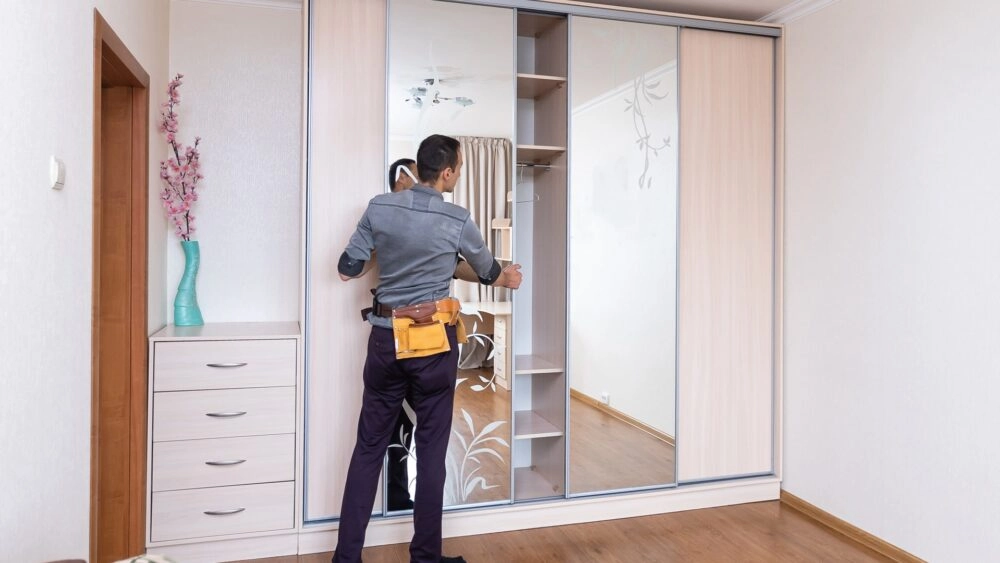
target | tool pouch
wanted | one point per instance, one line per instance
(419, 330)
(417, 340)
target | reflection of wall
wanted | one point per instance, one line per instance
(242, 94)
(623, 237)
(474, 59)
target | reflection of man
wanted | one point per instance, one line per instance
(403, 176)
(418, 237)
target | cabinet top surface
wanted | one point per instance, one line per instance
(492, 307)
(228, 331)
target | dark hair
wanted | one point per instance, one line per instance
(395, 166)
(436, 153)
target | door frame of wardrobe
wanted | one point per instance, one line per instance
(118, 397)
(569, 7)
(638, 15)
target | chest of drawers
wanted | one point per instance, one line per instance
(223, 440)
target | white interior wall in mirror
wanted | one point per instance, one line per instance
(623, 225)
(468, 67)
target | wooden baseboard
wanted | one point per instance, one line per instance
(851, 531)
(592, 402)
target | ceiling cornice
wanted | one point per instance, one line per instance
(279, 4)
(795, 10)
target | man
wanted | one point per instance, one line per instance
(418, 237)
(403, 174)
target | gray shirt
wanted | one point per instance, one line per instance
(418, 237)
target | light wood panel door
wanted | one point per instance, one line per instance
(725, 320)
(346, 169)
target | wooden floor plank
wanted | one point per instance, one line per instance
(759, 532)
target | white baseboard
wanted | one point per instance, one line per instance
(231, 550)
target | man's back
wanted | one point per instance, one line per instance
(417, 236)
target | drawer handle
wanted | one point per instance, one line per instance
(224, 512)
(227, 462)
(225, 414)
(227, 365)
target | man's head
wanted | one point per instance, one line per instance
(439, 162)
(402, 174)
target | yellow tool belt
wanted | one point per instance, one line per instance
(419, 330)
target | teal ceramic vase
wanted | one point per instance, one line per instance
(186, 311)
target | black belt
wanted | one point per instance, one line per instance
(379, 309)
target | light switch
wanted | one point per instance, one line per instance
(57, 173)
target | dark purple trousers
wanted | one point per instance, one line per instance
(429, 385)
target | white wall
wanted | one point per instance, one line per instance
(46, 261)
(242, 95)
(892, 282)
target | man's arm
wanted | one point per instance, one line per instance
(510, 277)
(357, 258)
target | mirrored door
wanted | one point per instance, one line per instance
(622, 255)
(451, 72)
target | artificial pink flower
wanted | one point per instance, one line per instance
(181, 175)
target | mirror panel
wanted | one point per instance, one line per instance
(623, 255)
(451, 71)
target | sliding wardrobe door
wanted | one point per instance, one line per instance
(345, 169)
(623, 243)
(725, 325)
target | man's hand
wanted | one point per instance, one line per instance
(510, 277)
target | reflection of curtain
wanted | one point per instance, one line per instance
(482, 189)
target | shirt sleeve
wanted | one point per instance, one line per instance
(362, 241)
(473, 248)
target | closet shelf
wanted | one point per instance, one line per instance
(529, 425)
(535, 25)
(536, 85)
(529, 484)
(526, 364)
(538, 154)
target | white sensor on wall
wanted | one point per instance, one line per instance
(57, 173)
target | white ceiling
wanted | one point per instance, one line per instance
(733, 9)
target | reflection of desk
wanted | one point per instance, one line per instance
(500, 311)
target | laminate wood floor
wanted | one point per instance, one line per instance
(759, 532)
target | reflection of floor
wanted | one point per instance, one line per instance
(463, 484)
(639, 458)
(607, 454)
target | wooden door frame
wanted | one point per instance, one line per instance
(114, 65)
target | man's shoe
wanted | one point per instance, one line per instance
(458, 559)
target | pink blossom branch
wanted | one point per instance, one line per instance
(181, 175)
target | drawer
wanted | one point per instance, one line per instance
(500, 332)
(500, 362)
(218, 511)
(223, 364)
(190, 415)
(191, 464)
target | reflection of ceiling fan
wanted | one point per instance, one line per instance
(421, 94)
